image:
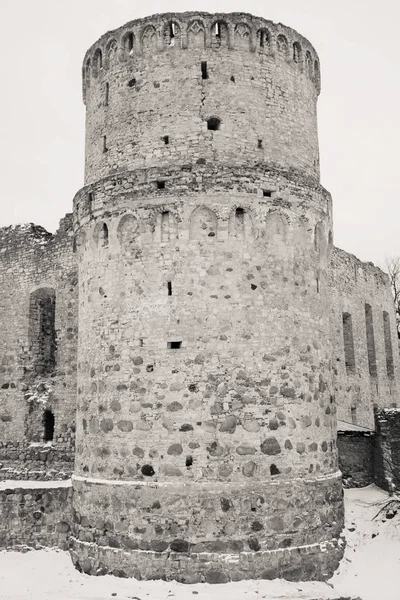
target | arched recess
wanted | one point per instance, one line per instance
(297, 53)
(42, 331)
(172, 35)
(168, 226)
(242, 36)
(149, 39)
(97, 62)
(128, 43)
(240, 224)
(276, 228)
(100, 235)
(203, 224)
(196, 35)
(128, 234)
(308, 64)
(282, 45)
(219, 34)
(111, 51)
(263, 40)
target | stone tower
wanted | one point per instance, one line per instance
(206, 422)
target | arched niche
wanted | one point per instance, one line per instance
(308, 64)
(263, 40)
(128, 43)
(149, 39)
(100, 235)
(282, 46)
(196, 34)
(276, 228)
(168, 226)
(128, 235)
(111, 51)
(242, 36)
(97, 62)
(172, 35)
(219, 34)
(203, 224)
(297, 53)
(240, 224)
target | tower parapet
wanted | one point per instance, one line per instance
(206, 419)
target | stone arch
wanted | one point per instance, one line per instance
(282, 45)
(297, 53)
(240, 223)
(97, 62)
(203, 224)
(276, 227)
(242, 36)
(263, 39)
(100, 234)
(42, 331)
(111, 51)
(308, 64)
(149, 39)
(128, 234)
(128, 43)
(168, 226)
(196, 34)
(172, 34)
(219, 34)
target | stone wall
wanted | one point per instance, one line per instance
(38, 293)
(387, 457)
(35, 516)
(365, 346)
(356, 458)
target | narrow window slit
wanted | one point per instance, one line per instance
(174, 345)
(369, 326)
(204, 72)
(233, 79)
(259, 144)
(105, 149)
(189, 461)
(169, 286)
(107, 94)
(348, 342)
(166, 139)
(388, 344)
(48, 425)
(90, 201)
(267, 193)
(218, 30)
(104, 235)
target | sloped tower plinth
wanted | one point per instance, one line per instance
(206, 421)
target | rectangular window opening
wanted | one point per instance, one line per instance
(369, 326)
(348, 342)
(259, 144)
(174, 345)
(388, 344)
(169, 285)
(160, 185)
(166, 139)
(204, 72)
(105, 149)
(267, 193)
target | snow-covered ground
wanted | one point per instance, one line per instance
(370, 570)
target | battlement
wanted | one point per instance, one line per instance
(200, 31)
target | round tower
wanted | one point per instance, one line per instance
(206, 426)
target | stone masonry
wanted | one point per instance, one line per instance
(220, 332)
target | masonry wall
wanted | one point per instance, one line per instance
(34, 516)
(371, 375)
(356, 458)
(38, 291)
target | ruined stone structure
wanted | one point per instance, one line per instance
(219, 330)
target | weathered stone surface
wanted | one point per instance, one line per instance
(270, 446)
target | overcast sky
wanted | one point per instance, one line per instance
(42, 45)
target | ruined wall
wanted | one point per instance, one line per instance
(35, 516)
(356, 458)
(364, 336)
(387, 452)
(38, 292)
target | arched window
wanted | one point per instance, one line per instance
(219, 34)
(296, 52)
(48, 426)
(104, 235)
(128, 42)
(263, 39)
(42, 332)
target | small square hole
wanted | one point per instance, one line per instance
(166, 139)
(259, 144)
(267, 193)
(174, 345)
(161, 185)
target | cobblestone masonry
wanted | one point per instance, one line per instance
(209, 296)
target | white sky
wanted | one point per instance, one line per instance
(42, 45)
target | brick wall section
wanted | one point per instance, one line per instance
(356, 459)
(353, 284)
(32, 259)
(36, 517)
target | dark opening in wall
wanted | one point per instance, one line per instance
(369, 326)
(160, 185)
(189, 461)
(48, 425)
(172, 30)
(104, 236)
(348, 342)
(259, 144)
(129, 42)
(42, 332)
(217, 30)
(90, 201)
(353, 412)
(132, 82)
(141, 342)
(233, 79)
(166, 139)
(267, 193)
(169, 286)
(204, 73)
(105, 149)
(106, 94)
(174, 345)
(213, 123)
(388, 344)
